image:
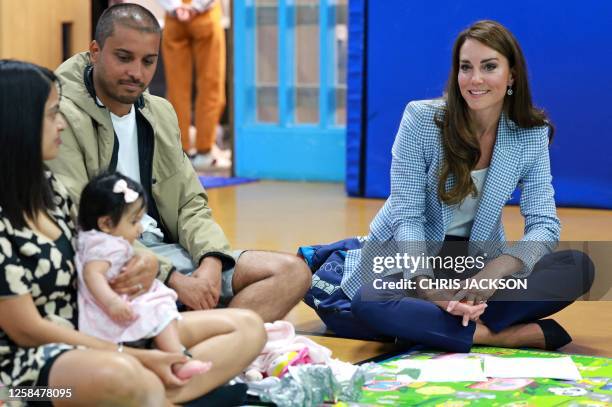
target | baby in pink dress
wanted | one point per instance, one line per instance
(111, 209)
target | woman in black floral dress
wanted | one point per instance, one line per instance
(39, 343)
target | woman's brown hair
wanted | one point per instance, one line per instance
(459, 141)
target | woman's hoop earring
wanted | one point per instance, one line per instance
(509, 91)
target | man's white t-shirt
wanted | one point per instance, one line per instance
(128, 162)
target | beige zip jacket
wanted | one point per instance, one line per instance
(87, 148)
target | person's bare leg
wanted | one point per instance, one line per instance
(520, 335)
(269, 283)
(169, 341)
(229, 338)
(105, 378)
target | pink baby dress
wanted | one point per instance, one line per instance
(155, 309)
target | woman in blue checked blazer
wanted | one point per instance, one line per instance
(456, 162)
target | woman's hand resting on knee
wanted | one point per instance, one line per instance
(446, 299)
(160, 363)
(468, 311)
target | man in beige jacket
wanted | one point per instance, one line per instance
(112, 123)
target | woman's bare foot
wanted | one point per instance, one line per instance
(516, 336)
(191, 368)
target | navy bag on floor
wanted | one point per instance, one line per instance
(325, 295)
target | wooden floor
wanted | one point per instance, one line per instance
(282, 216)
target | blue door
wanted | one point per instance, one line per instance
(290, 89)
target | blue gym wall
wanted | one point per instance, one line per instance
(568, 48)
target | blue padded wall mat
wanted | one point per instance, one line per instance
(355, 100)
(567, 48)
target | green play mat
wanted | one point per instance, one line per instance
(595, 388)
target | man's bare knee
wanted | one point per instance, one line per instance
(295, 271)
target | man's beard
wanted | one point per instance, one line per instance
(126, 99)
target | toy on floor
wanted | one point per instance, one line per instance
(283, 349)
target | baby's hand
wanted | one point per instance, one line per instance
(120, 311)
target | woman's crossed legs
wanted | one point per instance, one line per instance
(230, 338)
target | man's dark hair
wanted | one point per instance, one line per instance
(98, 199)
(129, 15)
(24, 188)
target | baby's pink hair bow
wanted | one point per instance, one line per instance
(121, 187)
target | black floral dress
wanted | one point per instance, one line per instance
(44, 269)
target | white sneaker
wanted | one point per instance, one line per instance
(219, 153)
(208, 161)
(202, 161)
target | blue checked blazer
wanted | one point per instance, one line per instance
(414, 213)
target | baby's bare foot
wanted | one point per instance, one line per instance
(191, 368)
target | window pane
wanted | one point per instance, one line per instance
(307, 61)
(267, 104)
(266, 66)
(341, 55)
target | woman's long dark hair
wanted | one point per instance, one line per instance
(459, 141)
(24, 188)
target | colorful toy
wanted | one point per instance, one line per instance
(280, 366)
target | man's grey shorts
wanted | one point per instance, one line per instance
(184, 264)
